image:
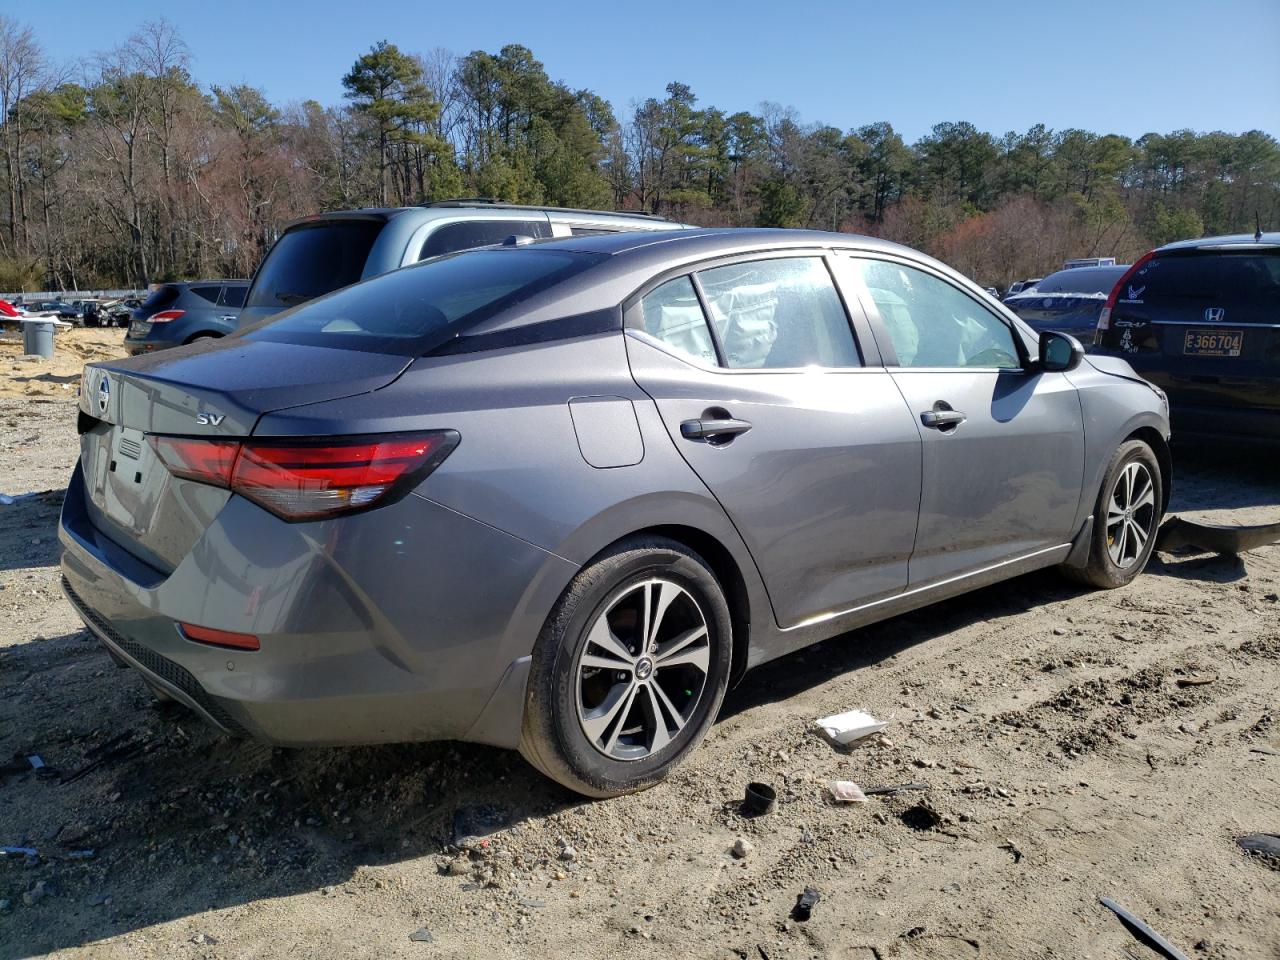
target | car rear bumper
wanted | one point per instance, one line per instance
(1233, 424)
(425, 638)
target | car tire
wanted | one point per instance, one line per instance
(1123, 535)
(614, 718)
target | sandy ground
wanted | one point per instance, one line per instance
(1064, 762)
(58, 376)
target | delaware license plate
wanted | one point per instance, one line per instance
(1213, 343)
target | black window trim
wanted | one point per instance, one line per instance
(881, 331)
(863, 340)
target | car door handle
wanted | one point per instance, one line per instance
(725, 429)
(229, 318)
(942, 418)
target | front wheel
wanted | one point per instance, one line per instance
(629, 671)
(1126, 517)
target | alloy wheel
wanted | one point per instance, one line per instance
(1131, 514)
(643, 669)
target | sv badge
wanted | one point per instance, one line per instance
(210, 419)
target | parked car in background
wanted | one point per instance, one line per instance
(178, 313)
(1201, 319)
(318, 254)
(120, 312)
(560, 496)
(1088, 262)
(1020, 285)
(1069, 300)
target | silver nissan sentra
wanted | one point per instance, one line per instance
(559, 496)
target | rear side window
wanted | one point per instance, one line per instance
(313, 260)
(453, 237)
(161, 297)
(779, 314)
(209, 293)
(671, 313)
(1082, 280)
(413, 310)
(233, 296)
(1214, 279)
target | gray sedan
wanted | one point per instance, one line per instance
(559, 496)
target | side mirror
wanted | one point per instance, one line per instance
(1059, 352)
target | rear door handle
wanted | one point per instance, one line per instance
(726, 429)
(942, 418)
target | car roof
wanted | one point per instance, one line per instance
(451, 208)
(1233, 241)
(712, 241)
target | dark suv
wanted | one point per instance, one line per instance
(178, 313)
(318, 254)
(1201, 319)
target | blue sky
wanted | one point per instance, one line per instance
(1119, 67)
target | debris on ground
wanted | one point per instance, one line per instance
(846, 791)
(1197, 680)
(1227, 539)
(894, 789)
(1263, 845)
(422, 935)
(1142, 931)
(742, 848)
(759, 799)
(805, 902)
(845, 728)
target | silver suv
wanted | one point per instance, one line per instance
(321, 253)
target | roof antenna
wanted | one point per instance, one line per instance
(1257, 234)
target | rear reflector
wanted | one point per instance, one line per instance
(219, 638)
(164, 316)
(310, 479)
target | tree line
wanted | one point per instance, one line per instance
(129, 172)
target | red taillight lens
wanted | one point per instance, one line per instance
(1104, 316)
(164, 316)
(207, 461)
(220, 638)
(310, 479)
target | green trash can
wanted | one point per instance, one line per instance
(37, 336)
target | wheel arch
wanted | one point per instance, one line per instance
(211, 334)
(1153, 438)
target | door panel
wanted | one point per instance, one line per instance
(823, 484)
(1005, 481)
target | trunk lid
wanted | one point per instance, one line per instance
(217, 390)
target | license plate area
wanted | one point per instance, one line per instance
(1213, 343)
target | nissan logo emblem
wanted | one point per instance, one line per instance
(104, 395)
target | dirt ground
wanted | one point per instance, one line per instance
(58, 376)
(1064, 756)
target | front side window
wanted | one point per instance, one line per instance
(467, 234)
(671, 313)
(932, 323)
(779, 314)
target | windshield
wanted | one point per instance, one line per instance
(412, 310)
(312, 260)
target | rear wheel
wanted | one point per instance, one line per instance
(630, 670)
(1126, 517)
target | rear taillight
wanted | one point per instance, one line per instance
(1104, 316)
(310, 479)
(164, 316)
(206, 461)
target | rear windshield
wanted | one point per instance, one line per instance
(1220, 278)
(161, 297)
(312, 260)
(412, 310)
(1087, 280)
